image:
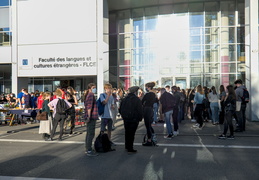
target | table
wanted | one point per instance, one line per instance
(13, 112)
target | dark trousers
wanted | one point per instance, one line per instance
(148, 119)
(191, 111)
(58, 119)
(130, 130)
(241, 116)
(175, 118)
(228, 123)
(198, 113)
(222, 114)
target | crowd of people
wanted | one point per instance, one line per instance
(169, 105)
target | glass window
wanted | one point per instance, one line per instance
(151, 23)
(124, 26)
(195, 56)
(137, 13)
(124, 41)
(4, 18)
(138, 24)
(124, 57)
(228, 68)
(228, 35)
(113, 42)
(196, 19)
(112, 24)
(241, 35)
(241, 12)
(211, 68)
(113, 58)
(211, 19)
(241, 53)
(4, 2)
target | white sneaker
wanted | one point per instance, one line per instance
(193, 120)
(175, 133)
(196, 125)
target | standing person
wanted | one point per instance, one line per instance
(58, 118)
(33, 100)
(191, 105)
(115, 109)
(106, 118)
(214, 105)
(148, 101)
(46, 126)
(222, 97)
(19, 98)
(198, 101)
(132, 114)
(71, 97)
(183, 107)
(177, 96)
(40, 100)
(167, 102)
(91, 115)
(26, 99)
(241, 106)
(230, 107)
(155, 107)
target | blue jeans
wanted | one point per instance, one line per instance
(155, 108)
(214, 106)
(168, 116)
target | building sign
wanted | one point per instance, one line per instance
(57, 60)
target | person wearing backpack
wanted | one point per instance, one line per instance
(91, 115)
(132, 114)
(59, 107)
(177, 97)
(241, 105)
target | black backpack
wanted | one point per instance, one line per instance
(245, 97)
(102, 143)
(127, 108)
(61, 107)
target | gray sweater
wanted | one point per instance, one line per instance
(239, 92)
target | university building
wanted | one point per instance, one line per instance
(46, 44)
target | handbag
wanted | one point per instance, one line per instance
(42, 116)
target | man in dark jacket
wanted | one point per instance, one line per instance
(131, 112)
(167, 102)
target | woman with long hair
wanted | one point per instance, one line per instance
(191, 101)
(222, 96)
(71, 97)
(214, 105)
(230, 107)
(91, 115)
(198, 101)
(148, 101)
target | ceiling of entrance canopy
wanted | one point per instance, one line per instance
(128, 4)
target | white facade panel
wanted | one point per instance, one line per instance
(56, 21)
(74, 59)
(5, 54)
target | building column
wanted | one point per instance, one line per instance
(14, 47)
(252, 64)
(99, 47)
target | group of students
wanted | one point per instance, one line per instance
(135, 106)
